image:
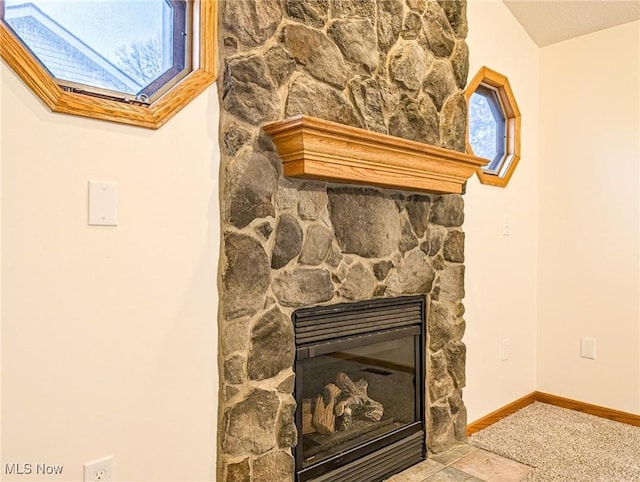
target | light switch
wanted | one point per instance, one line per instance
(103, 203)
(588, 348)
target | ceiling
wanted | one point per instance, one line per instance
(551, 21)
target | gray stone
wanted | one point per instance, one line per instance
(317, 243)
(438, 33)
(439, 82)
(238, 472)
(272, 346)
(248, 92)
(234, 138)
(287, 434)
(280, 64)
(435, 240)
(415, 119)
(407, 64)
(312, 202)
(274, 467)
(454, 247)
(448, 210)
(456, 354)
(359, 283)
(309, 97)
(417, 207)
(252, 22)
(414, 275)
(412, 26)
(288, 241)
(390, 13)
(245, 277)
(249, 186)
(453, 123)
(440, 382)
(313, 13)
(234, 336)
(303, 287)
(365, 222)
(234, 370)
(438, 326)
(456, 13)
(324, 61)
(287, 195)
(356, 40)
(452, 283)
(249, 426)
(408, 240)
(442, 435)
(264, 230)
(353, 8)
(460, 63)
(368, 99)
(381, 269)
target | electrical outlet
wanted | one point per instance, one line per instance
(504, 354)
(99, 470)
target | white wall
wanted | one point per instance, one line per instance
(501, 271)
(109, 335)
(589, 212)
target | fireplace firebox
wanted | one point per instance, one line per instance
(360, 371)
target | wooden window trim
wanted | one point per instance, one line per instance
(150, 116)
(513, 125)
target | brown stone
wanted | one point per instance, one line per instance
(250, 21)
(365, 222)
(324, 61)
(303, 287)
(356, 40)
(313, 98)
(249, 426)
(313, 13)
(273, 467)
(453, 123)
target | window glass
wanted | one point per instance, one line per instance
(136, 48)
(487, 129)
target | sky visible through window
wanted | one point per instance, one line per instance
(107, 24)
(134, 36)
(482, 127)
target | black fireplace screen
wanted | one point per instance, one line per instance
(359, 387)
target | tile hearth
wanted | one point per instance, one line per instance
(464, 463)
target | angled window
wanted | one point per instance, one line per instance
(493, 128)
(110, 59)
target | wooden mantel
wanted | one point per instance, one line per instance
(312, 148)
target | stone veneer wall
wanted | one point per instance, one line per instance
(391, 66)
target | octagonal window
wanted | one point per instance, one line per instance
(125, 61)
(493, 128)
(135, 56)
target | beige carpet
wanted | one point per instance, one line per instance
(565, 445)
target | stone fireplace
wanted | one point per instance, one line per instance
(395, 67)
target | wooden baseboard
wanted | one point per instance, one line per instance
(598, 411)
(499, 414)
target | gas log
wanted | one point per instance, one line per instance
(334, 409)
